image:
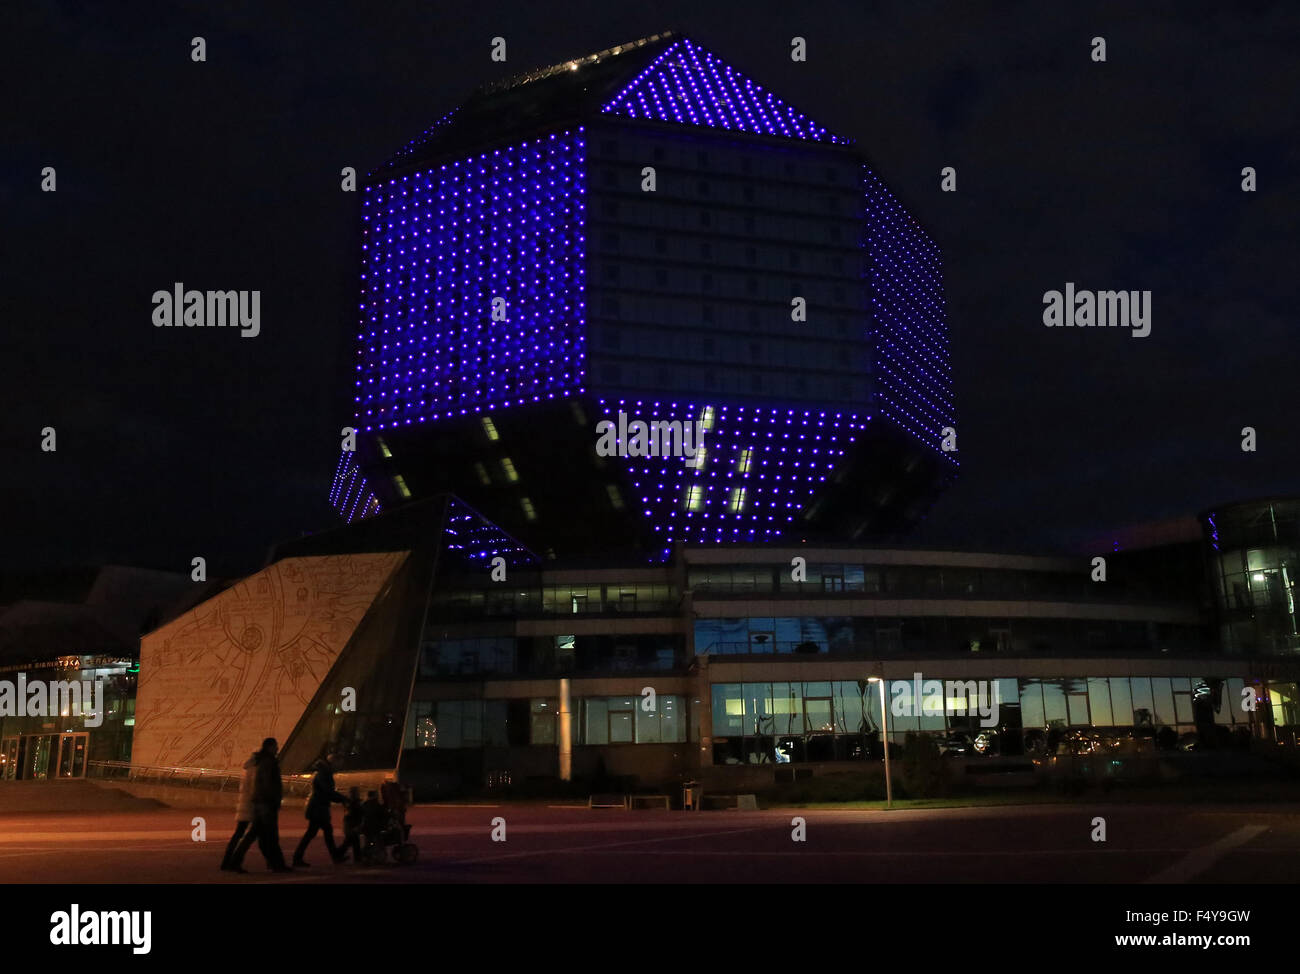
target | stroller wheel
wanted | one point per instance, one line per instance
(408, 852)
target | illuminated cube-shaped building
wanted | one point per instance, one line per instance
(646, 230)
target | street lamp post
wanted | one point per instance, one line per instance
(884, 739)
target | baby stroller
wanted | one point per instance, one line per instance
(385, 833)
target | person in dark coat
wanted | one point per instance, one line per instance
(318, 812)
(268, 792)
(373, 818)
(243, 814)
(352, 826)
(394, 799)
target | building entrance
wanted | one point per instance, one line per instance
(36, 757)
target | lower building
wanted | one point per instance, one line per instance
(425, 642)
(69, 648)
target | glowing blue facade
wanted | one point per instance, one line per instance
(350, 495)
(913, 368)
(759, 471)
(472, 287)
(523, 281)
(689, 86)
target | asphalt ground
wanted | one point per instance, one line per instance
(1165, 843)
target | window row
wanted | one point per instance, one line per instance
(573, 599)
(939, 635)
(550, 655)
(739, 380)
(828, 314)
(909, 581)
(724, 160)
(535, 722)
(736, 347)
(634, 249)
(646, 211)
(759, 723)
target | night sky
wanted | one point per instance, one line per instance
(1124, 175)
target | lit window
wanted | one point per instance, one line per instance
(694, 497)
(482, 473)
(737, 498)
(697, 461)
(383, 448)
(529, 511)
(746, 457)
(490, 428)
(508, 468)
(706, 418)
(400, 484)
(615, 496)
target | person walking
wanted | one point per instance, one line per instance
(268, 792)
(243, 815)
(318, 812)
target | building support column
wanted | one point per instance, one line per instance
(704, 714)
(565, 736)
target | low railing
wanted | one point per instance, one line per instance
(207, 778)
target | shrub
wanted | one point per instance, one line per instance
(924, 772)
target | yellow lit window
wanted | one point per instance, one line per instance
(508, 468)
(737, 498)
(383, 448)
(490, 428)
(615, 497)
(529, 511)
(694, 497)
(483, 477)
(400, 484)
(746, 458)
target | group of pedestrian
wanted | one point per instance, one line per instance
(257, 814)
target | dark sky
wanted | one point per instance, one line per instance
(177, 442)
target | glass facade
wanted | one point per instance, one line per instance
(589, 598)
(784, 722)
(935, 635)
(624, 720)
(69, 706)
(918, 581)
(456, 723)
(450, 657)
(1254, 562)
(620, 719)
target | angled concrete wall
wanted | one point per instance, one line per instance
(244, 665)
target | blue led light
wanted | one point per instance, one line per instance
(349, 494)
(476, 539)
(789, 454)
(913, 368)
(438, 247)
(440, 244)
(420, 142)
(688, 85)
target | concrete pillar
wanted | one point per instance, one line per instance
(565, 736)
(704, 713)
